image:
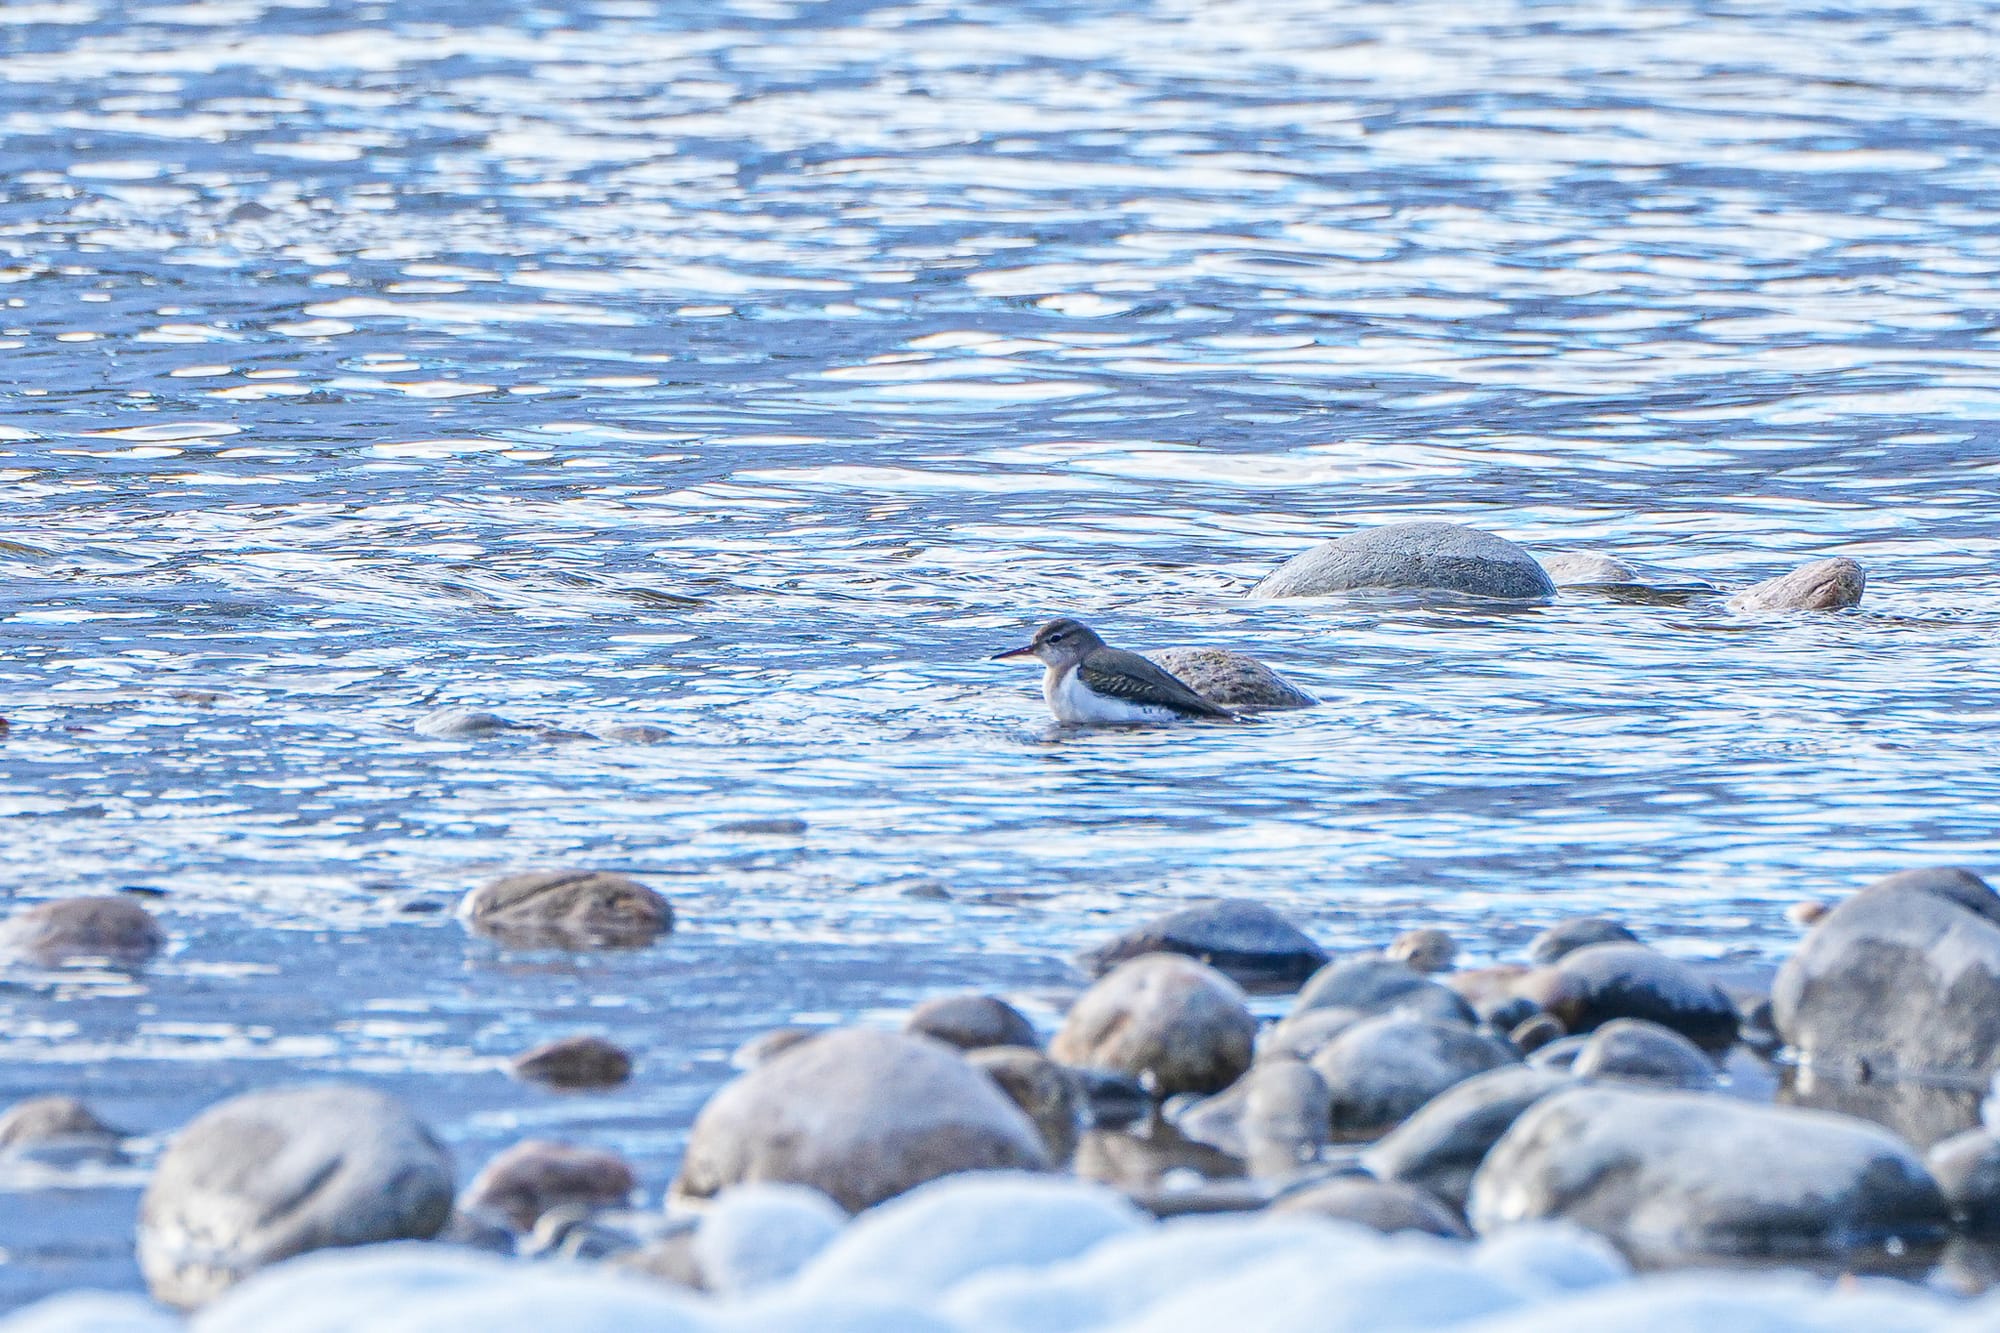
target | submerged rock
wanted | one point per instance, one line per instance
(1177, 1024)
(536, 1175)
(1637, 1051)
(1244, 940)
(1967, 1169)
(1044, 1090)
(272, 1174)
(1595, 984)
(1583, 569)
(567, 909)
(1381, 1070)
(457, 724)
(1674, 1175)
(1383, 1205)
(971, 1022)
(1276, 1117)
(1441, 1146)
(59, 1132)
(1577, 932)
(1432, 557)
(859, 1115)
(1232, 679)
(582, 1061)
(68, 930)
(1823, 585)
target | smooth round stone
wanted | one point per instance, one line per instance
(859, 1115)
(1440, 1147)
(1233, 680)
(458, 724)
(1276, 1117)
(70, 930)
(1807, 913)
(55, 1117)
(1426, 950)
(536, 1175)
(1388, 1206)
(1381, 1070)
(1578, 932)
(1642, 1052)
(1560, 1054)
(1371, 984)
(1583, 569)
(578, 1062)
(1534, 1034)
(567, 909)
(1595, 984)
(1046, 1091)
(1175, 1024)
(971, 1022)
(1243, 939)
(1421, 557)
(272, 1174)
(1967, 1168)
(1823, 585)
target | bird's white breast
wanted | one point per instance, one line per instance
(1073, 701)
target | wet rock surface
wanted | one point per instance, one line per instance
(1823, 585)
(1582, 569)
(577, 1062)
(1383, 1205)
(1418, 557)
(1967, 1169)
(567, 909)
(1276, 1117)
(1383, 1069)
(1046, 1092)
(536, 1175)
(1440, 1147)
(1178, 1025)
(971, 1022)
(1370, 984)
(1641, 1052)
(1232, 679)
(1591, 986)
(1244, 940)
(1578, 932)
(70, 930)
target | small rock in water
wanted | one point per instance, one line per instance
(582, 1061)
(1383, 1205)
(1383, 1069)
(272, 1174)
(567, 909)
(73, 930)
(1372, 984)
(766, 1046)
(57, 1131)
(1823, 585)
(1427, 950)
(1967, 1168)
(971, 1022)
(1244, 940)
(1560, 1054)
(1276, 1117)
(1532, 1034)
(1441, 1146)
(633, 733)
(1642, 1052)
(859, 1115)
(536, 1175)
(1421, 557)
(1044, 1090)
(1583, 569)
(1578, 932)
(1808, 913)
(1232, 679)
(776, 826)
(1595, 984)
(458, 724)
(1176, 1024)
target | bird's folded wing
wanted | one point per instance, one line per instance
(1121, 675)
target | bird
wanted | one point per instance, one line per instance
(1090, 683)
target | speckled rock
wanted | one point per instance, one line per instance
(1178, 1025)
(1233, 680)
(1967, 1168)
(1426, 950)
(1595, 984)
(69, 930)
(1577, 932)
(1385, 1205)
(578, 1062)
(1823, 585)
(1244, 940)
(1436, 557)
(1583, 569)
(1640, 1052)
(1044, 1090)
(271, 1174)
(536, 1175)
(1440, 1147)
(1276, 1117)
(971, 1022)
(1381, 1070)
(567, 909)
(859, 1115)
(1676, 1175)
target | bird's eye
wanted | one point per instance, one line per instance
(1058, 636)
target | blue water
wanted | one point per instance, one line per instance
(751, 371)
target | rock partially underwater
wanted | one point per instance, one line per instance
(1823, 585)
(1414, 557)
(1232, 679)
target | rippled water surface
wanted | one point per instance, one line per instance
(751, 371)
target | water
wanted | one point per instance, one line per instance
(753, 370)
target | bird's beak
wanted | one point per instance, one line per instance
(1025, 650)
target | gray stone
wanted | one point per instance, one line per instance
(1244, 940)
(41, 1119)
(1440, 1147)
(1371, 984)
(1231, 679)
(1904, 975)
(1675, 1175)
(71, 930)
(971, 1022)
(457, 724)
(1384, 1205)
(1430, 557)
(767, 1045)
(1583, 569)
(1641, 1052)
(567, 909)
(536, 1175)
(1534, 1034)
(859, 1115)
(1381, 1070)
(272, 1174)
(1044, 1090)
(1823, 585)
(1178, 1025)
(1595, 984)
(1560, 1054)
(1426, 950)
(1967, 1168)
(578, 1062)
(1276, 1117)
(1138, 1163)
(1577, 932)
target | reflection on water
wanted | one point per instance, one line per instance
(750, 371)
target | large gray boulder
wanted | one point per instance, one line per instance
(1675, 1175)
(1421, 557)
(1381, 1070)
(1441, 1146)
(1246, 941)
(567, 909)
(272, 1174)
(860, 1116)
(1905, 975)
(1823, 585)
(1179, 1025)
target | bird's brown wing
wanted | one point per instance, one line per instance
(1121, 675)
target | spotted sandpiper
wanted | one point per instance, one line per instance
(1087, 682)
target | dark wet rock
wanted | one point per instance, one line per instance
(1232, 679)
(567, 909)
(457, 724)
(1177, 1024)
(1641, 1052)
(971, 1022)
(1823, 585)
(861, 1116)
(481, 1229)
(1904, 975)
(1560, 1054)
(1426, 950)
(1385, 1205)
(1967, 1169)
(768, 1045)
(1276, 1117)
(1110, 1099)
(70, 930)
(1138, 1163)
(1440, 1147)
(1676, 1175)
(1433, 557)
(272, 1174)
(1504, 1015)
(1577, 932)
(1759, 1027)
(536, 1175)
(582, 1061)
(1381, 1070)
(1371, 984)
(1595, 984)
(1242, 939)
(1491, 994)
(1534, 1034)
(1582, 569)
(1044, 1090)
(1181, 1196)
